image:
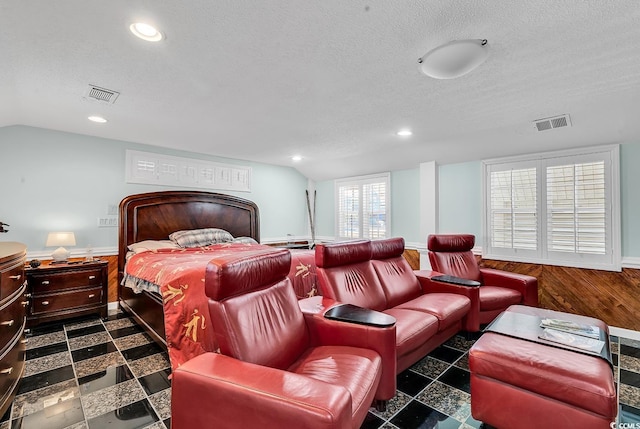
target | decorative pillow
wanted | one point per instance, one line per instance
(200, 237)
(245, 240)
(152, 245)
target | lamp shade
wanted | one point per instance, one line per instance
(61, 239)
(454, 59)
(60, 255)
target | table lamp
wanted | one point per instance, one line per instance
(60, 255)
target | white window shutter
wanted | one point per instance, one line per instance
(557, 208)
(363, 207)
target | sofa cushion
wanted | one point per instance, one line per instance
(447, 307)
(413, 328)
(353, 368)
(397, 279)
(574, 378)
(451, 254)
(330, 255)
(495, 298)
(355, 284)
(244, 321)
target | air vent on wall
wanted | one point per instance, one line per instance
(101, 95)
(551, 123)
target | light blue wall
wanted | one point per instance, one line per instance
(460, 199)
(630, 198)
(461, 194)
(325, 209)
(54, 181)
(405, 209)
(405, 205)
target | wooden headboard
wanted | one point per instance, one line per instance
(155, 215)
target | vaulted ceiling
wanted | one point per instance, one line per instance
(332, 81)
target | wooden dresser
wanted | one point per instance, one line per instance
(12, 319)
(67, 290)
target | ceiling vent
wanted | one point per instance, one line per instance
(551, 123)
(101, 95)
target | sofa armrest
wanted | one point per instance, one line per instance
(526, 285)
(471, 322)
(214, 390)
(430, 284)
(327, 332)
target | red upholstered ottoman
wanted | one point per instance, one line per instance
(518, 383)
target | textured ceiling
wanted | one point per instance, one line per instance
(329, 80)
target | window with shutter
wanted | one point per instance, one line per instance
(557, 208)
(156, 169)
(363, 207)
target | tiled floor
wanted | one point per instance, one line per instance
(94, 374)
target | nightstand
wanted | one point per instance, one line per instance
(62, 291)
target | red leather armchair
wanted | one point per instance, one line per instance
(278, 368)
(451, 254)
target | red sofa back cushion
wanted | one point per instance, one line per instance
(451, 254)
(345, 273)
(254, 310)
(396, 276)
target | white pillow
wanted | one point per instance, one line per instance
(245, 240)
(200, 237)
(152, 245)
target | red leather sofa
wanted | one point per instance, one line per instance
(278, 368)
(518, 383)
(374, 274)
(451, 254)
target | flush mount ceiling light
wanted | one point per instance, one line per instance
(98, 119)
(296, 158)
(454, 59)
(146, 32)
(404, 133)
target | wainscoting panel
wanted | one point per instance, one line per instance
(413, 258)
(613, 297)
(113, 276)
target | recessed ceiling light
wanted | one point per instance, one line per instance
(146, 32)
(404, 133)
(98, 119)
(296, 158)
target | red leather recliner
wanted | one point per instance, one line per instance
(278, 368)
(451, 254)
(374, 274)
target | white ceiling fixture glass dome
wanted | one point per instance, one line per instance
(454, 59)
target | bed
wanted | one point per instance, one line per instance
(156, 215)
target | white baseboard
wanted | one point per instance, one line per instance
(630, 262)
(75, 253)
(624, 333)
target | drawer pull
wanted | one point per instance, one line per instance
(92, 295)
(24, 303)
(6, 371)
(27, 295)
(15, 277)
(45, 302)
(7, 323)
(25, 341)
(92, 277)
(45, 282)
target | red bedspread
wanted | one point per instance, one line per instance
(180, 275)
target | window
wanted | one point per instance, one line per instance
(363, 207)
(557, 208)
(156, 169)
